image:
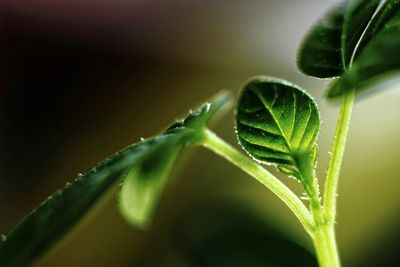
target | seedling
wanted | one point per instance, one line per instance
(277, 123)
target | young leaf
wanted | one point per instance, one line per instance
(320, 53)
(358, 24)
(198, 118)
(328, 48)
(357, 15)
(384, 15)
(377, 61)
(63, 209)
(278, 123)
(145, 179)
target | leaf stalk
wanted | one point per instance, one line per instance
(248, 165)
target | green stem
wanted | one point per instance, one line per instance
(335, 161)
(324, 234)
(325, 245)
(222, 148)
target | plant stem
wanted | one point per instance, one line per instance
(325, 245)
(335, 161)
(225, 150)
(324, 235)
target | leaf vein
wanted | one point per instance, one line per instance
(265, 103)
(294, 113)
(308, 120)
(249, 125)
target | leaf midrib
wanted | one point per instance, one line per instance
(361, 38)
(266, 105)
(270, 110)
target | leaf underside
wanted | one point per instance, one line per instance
(357, 41)
(277, 123)
(60, 212)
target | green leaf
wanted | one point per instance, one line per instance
(328, 48)
(358, 13)
(278, 123)
(376, 62)
(60, 212)
(383, 15)
(320, 53)
(63, 209)
(351, 32)
(198, 118)
(145, 179)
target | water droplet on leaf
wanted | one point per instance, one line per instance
(208, 105)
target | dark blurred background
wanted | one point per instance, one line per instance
(81, 79)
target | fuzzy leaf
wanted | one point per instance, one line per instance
(144, 180)
(63, 209)
(278, 123)
(60, 212)
(198, 118)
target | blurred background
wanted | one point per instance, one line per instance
(81, 79)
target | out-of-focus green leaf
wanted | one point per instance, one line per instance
(377, 61)
(278, 123)
(63, 209)
(320, 53)
(144, 181)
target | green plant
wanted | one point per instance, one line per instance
(276, 122)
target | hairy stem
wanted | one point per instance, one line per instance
(335, 161)
(225, 150)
